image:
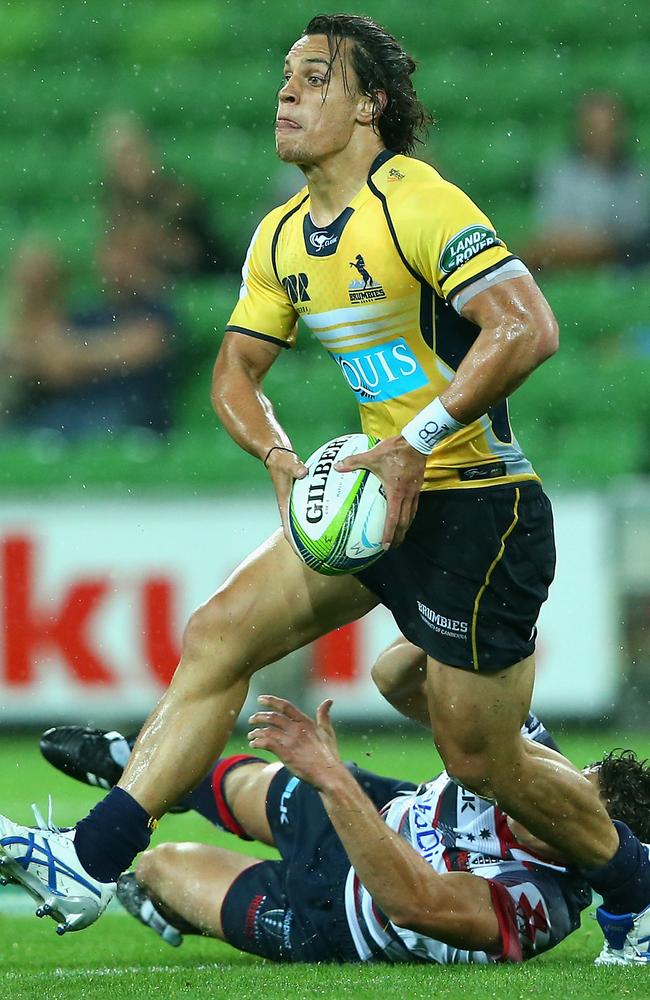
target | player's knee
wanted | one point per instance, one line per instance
(206, 626)
(382, 675)
(471, 773)
(486, 772)
(153, 865)
(216, 627)
(469, 764)
(399, 669)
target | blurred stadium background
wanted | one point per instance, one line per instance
(107, 544)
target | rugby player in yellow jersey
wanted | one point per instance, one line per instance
(433, 324)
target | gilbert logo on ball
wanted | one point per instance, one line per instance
(337, 519)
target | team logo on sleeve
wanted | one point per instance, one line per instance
(468, 243)
(295, 285)
(364, 288)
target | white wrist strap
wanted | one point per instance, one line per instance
(429, 427)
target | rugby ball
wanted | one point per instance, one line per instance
(337, 519)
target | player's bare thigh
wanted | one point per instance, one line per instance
(467, 709)
(269, 606)
(477, 717)
(191, 880)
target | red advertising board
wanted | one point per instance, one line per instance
(94, 597)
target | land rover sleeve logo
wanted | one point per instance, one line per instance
(466, 244)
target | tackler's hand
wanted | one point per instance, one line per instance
(401, 469)
(306, 746)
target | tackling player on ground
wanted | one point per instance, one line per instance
(442, 327)
(459, 883)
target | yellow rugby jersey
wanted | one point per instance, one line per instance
(375, 287)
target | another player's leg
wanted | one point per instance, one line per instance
(262, 908)
(400, 675)
(183, 889)
(270, 606)
(179, 889)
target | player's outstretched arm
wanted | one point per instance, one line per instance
(455, 908)
(247, 413)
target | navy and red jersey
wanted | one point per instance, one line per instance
(537, 902)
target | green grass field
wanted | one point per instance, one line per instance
(117, 958)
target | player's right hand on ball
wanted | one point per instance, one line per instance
(284, 467)
(401, 469)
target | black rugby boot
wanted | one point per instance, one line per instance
(93, 756)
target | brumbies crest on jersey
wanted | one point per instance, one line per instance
(382, 288)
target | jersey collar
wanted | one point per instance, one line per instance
(322, 241)
(380, 159)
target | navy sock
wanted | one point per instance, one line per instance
(111, 835)
(624, 882)
(208, 797)
(201, 800)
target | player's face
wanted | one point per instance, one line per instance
(318, 104)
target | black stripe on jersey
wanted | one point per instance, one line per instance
(391, 228)
(500, 420)
(454, 334)
(481, 274)
(426, 313)
(258, 336)
(276, 234)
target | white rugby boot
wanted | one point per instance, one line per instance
(43, 861)
(627, 938)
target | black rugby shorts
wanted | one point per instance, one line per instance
(467, 583)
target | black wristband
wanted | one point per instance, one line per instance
(276, 447)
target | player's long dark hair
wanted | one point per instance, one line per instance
(625, 786)
(380, 64)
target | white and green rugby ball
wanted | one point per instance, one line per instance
(337, 518)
